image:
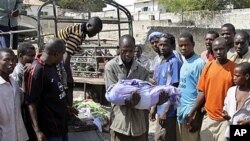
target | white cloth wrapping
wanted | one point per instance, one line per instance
(116, 94)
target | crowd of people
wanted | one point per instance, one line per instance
(37, 88)
(214, 86)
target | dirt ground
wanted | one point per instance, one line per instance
(78, 92)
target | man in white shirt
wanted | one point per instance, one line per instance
(11, 124)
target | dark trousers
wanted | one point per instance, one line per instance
(5, 39)
(115, 136)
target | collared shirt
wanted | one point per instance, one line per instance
(144, 61)
(17, 74)
(189, 76)
(236, 59)
(207, 56)
(155, 62)
(11, 122)
(73, 37)
(168, 73)
(6, 7)
(127, 121)
(230, 105)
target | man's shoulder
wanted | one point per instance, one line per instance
(112, 62)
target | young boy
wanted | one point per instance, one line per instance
(237, 102)
(167, 73)
(25, 53)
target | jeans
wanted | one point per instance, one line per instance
(5, 39)
(62, 138)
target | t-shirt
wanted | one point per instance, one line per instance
(189, 76)
(46, 91)
(214, 81)
(73, 37)
(168, 73)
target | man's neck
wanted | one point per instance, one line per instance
(222, 62)
(5, 76)
(45, 59)
(190, 55)
(242, 54)
(166, 56)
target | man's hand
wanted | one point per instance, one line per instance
(193, 121)
(225, 115)
(26, 69)
(152, 113)
(40, 136)
(135, 99)
(163, 97)
(152, 81)
(15, 13)
(244, 122)
(72, 111)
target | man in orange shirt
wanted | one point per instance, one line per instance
(215, 80)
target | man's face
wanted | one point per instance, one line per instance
(241, 44)
(239, 78)
(137, 52)
(127, 52)
(91, 31)
(220, 50)
(7, 63)
(165, 46)
(228, 34)
(29, 56)
(209, 40)
(186, 47)
(59, 56)
(154, 44)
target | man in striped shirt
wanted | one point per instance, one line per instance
(73, 36)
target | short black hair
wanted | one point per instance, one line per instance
(245, 67)
(23, 48)
(170, 37)
(243, 33)
(54, 45)
(229, 25)
(139, 46)
(188, 36)
(214, 33)
(6, 50)
(128, 37)
(96, 22)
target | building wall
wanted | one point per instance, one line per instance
(34, 9)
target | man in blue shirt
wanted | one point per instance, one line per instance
(167, 73)
(189, 75)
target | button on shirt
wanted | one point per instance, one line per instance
(127, 121)
(11, 122)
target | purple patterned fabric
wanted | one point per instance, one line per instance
(116, 94)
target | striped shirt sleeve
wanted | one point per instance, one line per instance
(73, 37)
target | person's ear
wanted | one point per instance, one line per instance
(88, 25)
(247, 76)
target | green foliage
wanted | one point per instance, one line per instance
(81, 5)
(191, 5)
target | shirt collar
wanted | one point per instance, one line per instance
(2, 81)
(133, 66)
(167, 59)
